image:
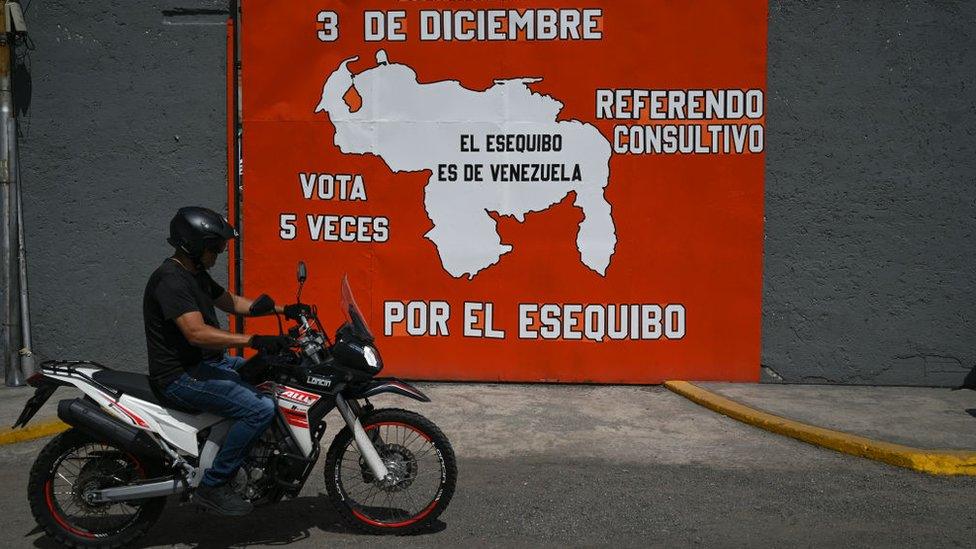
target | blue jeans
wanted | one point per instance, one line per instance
(216, 387)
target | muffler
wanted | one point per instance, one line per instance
(90, 419)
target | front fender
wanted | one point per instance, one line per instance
(388, 385)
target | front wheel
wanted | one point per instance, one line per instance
(415, 452)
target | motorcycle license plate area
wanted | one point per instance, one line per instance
(518, 191)
(41, 395)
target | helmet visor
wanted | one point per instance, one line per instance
(215, 246)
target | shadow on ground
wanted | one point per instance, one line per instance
(287, 522)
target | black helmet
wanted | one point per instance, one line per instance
(193, 229)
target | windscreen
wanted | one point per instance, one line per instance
(353, 314)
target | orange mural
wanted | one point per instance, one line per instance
(518, 191)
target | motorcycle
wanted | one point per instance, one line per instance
(104, 482)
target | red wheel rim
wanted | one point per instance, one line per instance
(412, 457)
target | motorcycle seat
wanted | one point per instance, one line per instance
(136, 385)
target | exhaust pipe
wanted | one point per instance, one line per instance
(90, 419)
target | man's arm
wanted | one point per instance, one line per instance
(238, 304)
(201, 334)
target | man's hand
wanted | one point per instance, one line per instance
(271, 344)
(295, 309)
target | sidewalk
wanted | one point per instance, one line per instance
(923, 429)
(906, 426)
(913, 416)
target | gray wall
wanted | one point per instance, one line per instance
(870, 168)
(127, 123)
(869, 204)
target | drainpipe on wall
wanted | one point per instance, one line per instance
(8, 131)
(25, 353)
(17, 27)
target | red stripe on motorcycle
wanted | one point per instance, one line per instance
(135, 419)
(294, 417)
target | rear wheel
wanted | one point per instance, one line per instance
(419, 457)
(70, 467)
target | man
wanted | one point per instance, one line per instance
(187, 363)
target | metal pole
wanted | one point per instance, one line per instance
(26, 353)
(238, 282)
(12, 374)
(238, 215)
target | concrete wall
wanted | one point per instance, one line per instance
(870, 154)
(870, 268)
(127, 124)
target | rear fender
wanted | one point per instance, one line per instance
(389, 385)
(44, 388)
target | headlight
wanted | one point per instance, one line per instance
(369, 354)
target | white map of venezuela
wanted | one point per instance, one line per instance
(415, 127)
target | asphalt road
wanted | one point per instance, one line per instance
(586, 466)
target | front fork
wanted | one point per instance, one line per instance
(363, 443)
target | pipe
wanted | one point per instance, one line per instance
(27, 367)
(12, 373)
(90, 419)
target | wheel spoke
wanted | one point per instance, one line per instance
(426, 474)
(411, 438)
(75, 471)
(361, 489)
(425, 452)
(372, 492)
(72, 504)
(407, 493)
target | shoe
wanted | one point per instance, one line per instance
(222, 500)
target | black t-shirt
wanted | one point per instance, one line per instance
(172, 291)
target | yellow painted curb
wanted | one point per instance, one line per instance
(39, 430)
(937, 462)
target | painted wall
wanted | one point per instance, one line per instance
(678, 237)
(869, 210)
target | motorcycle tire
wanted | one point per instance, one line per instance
(108, 463)
(420, 438)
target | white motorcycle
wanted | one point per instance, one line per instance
(104, 482)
